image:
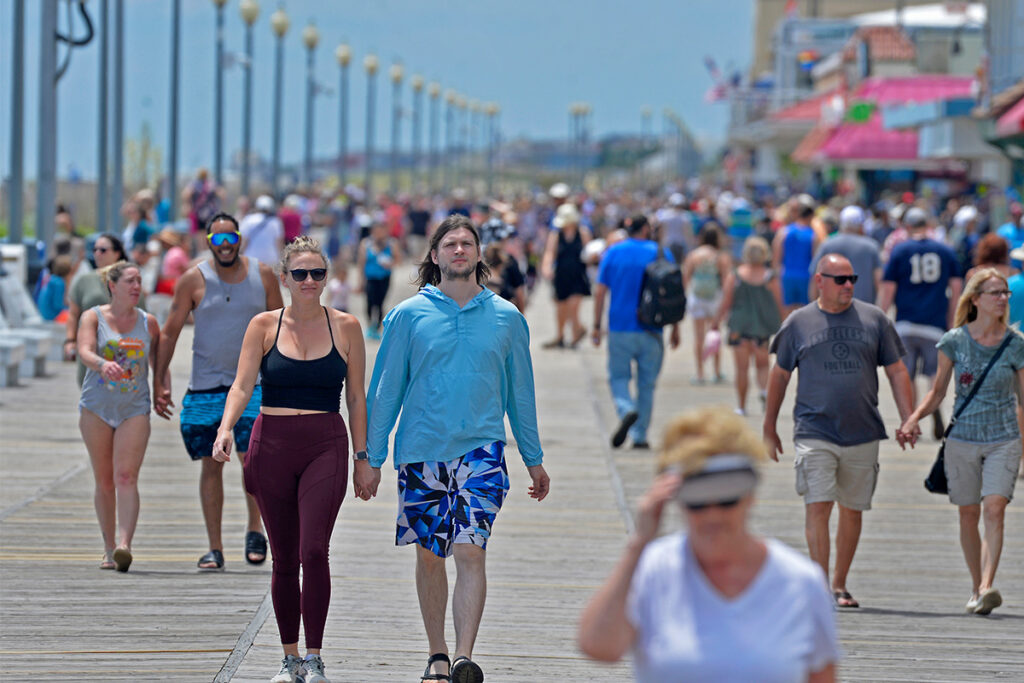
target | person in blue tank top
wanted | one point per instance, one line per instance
(793, 250)
(378, 255)
(222, 293)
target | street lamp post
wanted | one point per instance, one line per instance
(417, 132)
(250, 11)
(370, 63)
(102, 186)
(218, 96)
(434, 92)
(397, 74)
(343, 53)
(279, 24)
(460, 169)
(16, 185)
(172, 144)
(491, 109)
(117, 114)
(450, 98)
(310, 38)
(574, 113)
(475, 134)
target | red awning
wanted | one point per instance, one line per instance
(1012, 122)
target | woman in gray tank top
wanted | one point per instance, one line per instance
(117, 342)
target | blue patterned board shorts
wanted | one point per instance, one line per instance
(201, 412)
(444, 503)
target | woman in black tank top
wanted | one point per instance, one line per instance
(297, 463)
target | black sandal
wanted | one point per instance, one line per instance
(214, 556)
(438, 657)
(255, 544)
(464, 670)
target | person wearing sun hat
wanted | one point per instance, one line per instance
(684, 602)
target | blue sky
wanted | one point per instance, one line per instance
(533, 57)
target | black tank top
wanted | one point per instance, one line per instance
(303, 384)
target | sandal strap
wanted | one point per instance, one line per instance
(434, 658)
(438, 657)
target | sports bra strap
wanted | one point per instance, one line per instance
(329, 330)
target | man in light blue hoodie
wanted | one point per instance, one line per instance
(454, 359)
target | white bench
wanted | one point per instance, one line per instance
(20, 321)
(12, 353)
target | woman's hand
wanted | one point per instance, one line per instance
(365, 480)
(648, 514)
(111, 371)
(222, 446)
(908, 433)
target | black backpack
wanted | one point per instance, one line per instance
(662, 295)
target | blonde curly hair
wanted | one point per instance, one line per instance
(301, 245)
(693, 437)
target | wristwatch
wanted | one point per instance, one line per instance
(360, 455)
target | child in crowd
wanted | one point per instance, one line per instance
(338, 289)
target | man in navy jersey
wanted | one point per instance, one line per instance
(916, 279)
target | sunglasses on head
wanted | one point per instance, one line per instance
(299, 274)
(841, 279)
(697, 507)
(220, 238)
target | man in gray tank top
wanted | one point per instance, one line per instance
(222, 293)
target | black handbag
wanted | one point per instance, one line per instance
(936, 481)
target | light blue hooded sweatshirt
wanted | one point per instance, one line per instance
(454, 374)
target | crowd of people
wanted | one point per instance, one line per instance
(810, 282)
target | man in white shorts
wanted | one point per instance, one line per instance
(837, 342)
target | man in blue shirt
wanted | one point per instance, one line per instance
(1013, 231)
(916, 279)
(622, 273)
(454, 359)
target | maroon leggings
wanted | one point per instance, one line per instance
(297, 469)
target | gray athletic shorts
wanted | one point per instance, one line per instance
(827, 472)
(976, 470)
(921, 355)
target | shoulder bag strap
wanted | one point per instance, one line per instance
(977, 385)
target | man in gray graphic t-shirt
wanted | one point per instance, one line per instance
(837, 342)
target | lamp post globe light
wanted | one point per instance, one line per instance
(218, 96)
(310, 38)
(370, 64)
(343, 53)
(450, 99)
(250, 11)
(416, 83)
(396, 73)
(279, 24)
(434, 92)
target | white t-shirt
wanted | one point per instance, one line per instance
(262, 233)
(781, 628)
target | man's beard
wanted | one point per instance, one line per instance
(450, 273)
(225, 264)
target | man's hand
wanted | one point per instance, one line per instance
(365, 480)
(772, 440)
(595, 336)
(908, 433)
(648, 513)
(674, 337)
(162, 402)
(541, 482)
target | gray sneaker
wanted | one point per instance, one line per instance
(291, 671)
(314, 668)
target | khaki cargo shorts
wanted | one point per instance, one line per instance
(976, 470)
(827, 472)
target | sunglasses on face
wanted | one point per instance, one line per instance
(102, 250)
(299, 274)
(996, 292)
(697, 507)
(220, 238)
(841, 279)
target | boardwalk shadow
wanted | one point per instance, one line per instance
(928, 615)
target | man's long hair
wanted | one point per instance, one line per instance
(430, 272)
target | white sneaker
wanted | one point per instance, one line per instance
(972, 604)
(291, 671)
(988, 601)
(314, 668)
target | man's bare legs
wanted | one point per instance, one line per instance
(847, 538)
(467, 601)
(211, 498)
(816, 529)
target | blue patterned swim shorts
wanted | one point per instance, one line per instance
(201, 412)
(444, 503)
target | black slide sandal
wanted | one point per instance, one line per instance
(464, 670)
(438, 657)
(255, 544)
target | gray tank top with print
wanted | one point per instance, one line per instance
(115, 402)
(220, 322)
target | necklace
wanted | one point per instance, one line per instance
(229, 289)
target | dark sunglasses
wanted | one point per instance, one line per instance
(102, 250)
(842, 279)
(299, 274)
(697, 507)
(220, 238)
